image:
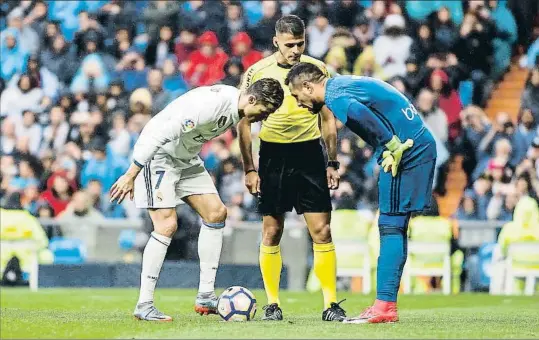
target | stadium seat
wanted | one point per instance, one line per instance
(126, 239)
(466, 92)
(67, 250)
(522, 263)
(350, 231)
(430, 254)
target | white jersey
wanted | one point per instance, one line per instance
(181, 129)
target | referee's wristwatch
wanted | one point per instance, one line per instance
(334, 164)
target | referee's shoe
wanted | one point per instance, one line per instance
(334, 312)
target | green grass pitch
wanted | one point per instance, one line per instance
(106, 313)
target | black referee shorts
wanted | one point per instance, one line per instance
(293, 175)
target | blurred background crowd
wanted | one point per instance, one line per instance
(79, 79)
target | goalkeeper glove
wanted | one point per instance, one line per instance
(392, 157)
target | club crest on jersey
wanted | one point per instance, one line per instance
(188, 125)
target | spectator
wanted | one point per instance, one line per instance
(263, 33)
(482, 195)
(416, 75)
(474, 46)
(445, 31)
(121, 43)
(28, 127)
(233, 71)
(448, 100)
(56, 133)
(58, 194)
(52, 30)
(30, 198)
(502, 204)
(37, 17)
(120, 141)
(423, 45)
(160, 97)
(235, 21)
(117, 97)
(307, 10)
(9, 136)
(401, 84)
(14, 57)
(376, 15)
(344, 13)
(467, 210)
(528, 126)
(45, 79)
(505, 129)
(89, 32)
(20, 96)
(206, 64)
(59, 59)
(366, 65)
(392, 49)
(433, 116)
(160, 48)
(336, 61)
(363, 31)
(187, 43)
(29, 40)
(319, 34)
(116, 13)
(91, 76)
(80, 210)
(242, 47)
(160, 13)
(25, 177)
(506, 36)
(530, 97)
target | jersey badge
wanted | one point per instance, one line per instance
(188, 125)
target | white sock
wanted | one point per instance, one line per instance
(210, 242)
(152, 261)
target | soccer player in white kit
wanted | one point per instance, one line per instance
(167, 171)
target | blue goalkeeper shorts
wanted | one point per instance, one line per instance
(409, 191)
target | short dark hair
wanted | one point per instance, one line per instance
(304, 72)
(267, 91)
(291, 24)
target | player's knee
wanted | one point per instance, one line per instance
(321, 233)
(217, 215)
(271, 235)
(165, 221)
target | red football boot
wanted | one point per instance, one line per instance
(380, 312)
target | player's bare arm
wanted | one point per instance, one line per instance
(252, 181)
(329, 134)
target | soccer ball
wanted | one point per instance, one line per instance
(237, 304)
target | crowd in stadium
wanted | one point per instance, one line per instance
(80, 79)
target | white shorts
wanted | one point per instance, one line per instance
(160, 184)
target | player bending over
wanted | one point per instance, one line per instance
(383, 117)
(167, 171)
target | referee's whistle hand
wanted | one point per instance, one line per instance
(252, 182)
(333, 178)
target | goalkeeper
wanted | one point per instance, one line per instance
(405, 149)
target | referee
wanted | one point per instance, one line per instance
(292, 170)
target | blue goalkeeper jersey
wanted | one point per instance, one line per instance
(376, 111)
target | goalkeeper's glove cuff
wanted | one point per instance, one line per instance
(393, 144)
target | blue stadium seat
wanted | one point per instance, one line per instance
(466, 92)
(67, 250)
(126, 240)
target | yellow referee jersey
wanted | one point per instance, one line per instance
(290, 123)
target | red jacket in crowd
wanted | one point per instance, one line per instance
(206, 64)
(242, 46)
(449, 102)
